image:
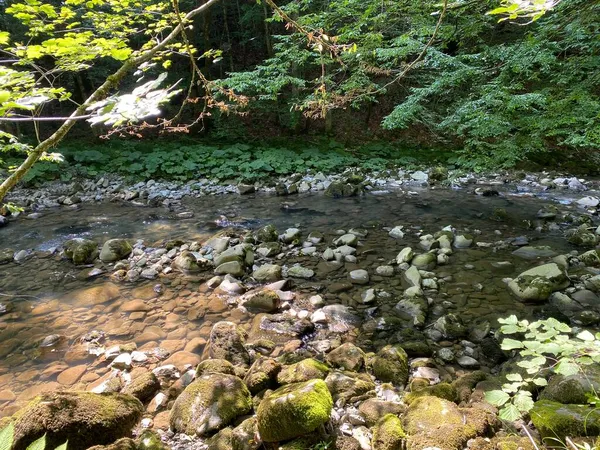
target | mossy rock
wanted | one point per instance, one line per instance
(573, 389)
(350, 386)
(374, 409)
(536, 285)
(301, 443)
(115, 250)
(337, 189)
(388, 433)
(241, 437)
(441, 390)
(83, 418)
(435, 422)
(294, 410)
(81, 251)
(215, 366)
(346, 443)
(210, 403)
(347, 356)
(143, 387)
(150, 440)
(121, 444)
(557, 420)
(391, 365)
(307, 369)
(268, 233)
(262, 375)
(227, 341)
(464, 385)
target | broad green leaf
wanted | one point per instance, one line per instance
(4, 96)
(510, 320)
(7, 437)
(510, 413)
(566, 368)
(523, 401)
(39, 444)
(511, 344)
(540, 382)
(62, 447)
(514, 377)
(4, 37)
(497, 397)
(585, 336)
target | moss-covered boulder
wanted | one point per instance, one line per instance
(441, 390)
(582, 236)
(187, 262)
(391, 365)
(215, 366)
(536, 285)
(268, 233)
(294, 410)
(115, 250)
(558, 420)
(347, 356)
(574, 389)
(81, 251)
(242, 437)
(121, 444)
(263, 300)
(143, 387)
(464, 385)
(210, 403)
(262, 374)
(84, 418)
(150, 440)
(338, 189)
(307, 369)
(435, 422)
(374, 409)
(388, 433)
(350, 386)
(227, 341)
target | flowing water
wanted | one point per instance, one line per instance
(47, 295)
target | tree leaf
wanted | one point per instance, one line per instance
(38, 444)
(523, 402)
(514, 377)
(62, 447)
(586, 336)
(497, 397)
(510, 413)
(540, 382)
(7, 436)
(511, 344)
(566, 367)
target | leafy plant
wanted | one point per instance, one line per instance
(546, 347)
(7, 439)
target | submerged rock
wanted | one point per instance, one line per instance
(210, 403)
(538, 283)
(294, 410)
(83, 418)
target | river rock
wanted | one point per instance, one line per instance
(300, 272)
(81, 251)
(573, 389)
(538, 283)
(294, 410)
(425, 261)
(397, 232)
(591, 258)
(359, 276)
(391, 365)
(412, 276)
(188, 263)
(83, 418)
(211, 402)
(388, 433)
(143, 387)
(241, 253)
(558, 421)
(349, 386)
(226, 341)
(347, 356)
(115, 250)
(405, 256)
(337, 189)
(262, 374)
(305, 370)
(346, 239)
(530, 252)
(341, 318)
(414, 307)
(582, 237)
(233, 268)
(261, 301)
(267, 273)
(268, 249)
(268, 233)
(588, 201)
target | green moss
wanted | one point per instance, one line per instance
(373, 409)
(307, 369)
(442, 390)
(210, 403)
(303, 443)
(81, 251)
(391, 365)
(350, 386)
(388, 433)
(121, 444)
(143, 387)
(215, 366)
(262, 374)
(294, 410)
(556, 420)
(84, 418)
(464, 385)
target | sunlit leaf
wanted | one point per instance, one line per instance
(497, 397)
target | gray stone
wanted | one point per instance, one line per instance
(425, 261)
(115, 250)
(359, 276)
(405, 255)
(267, 273)
(538, 283)
(300, 272)
(397, 232)
(530, 252)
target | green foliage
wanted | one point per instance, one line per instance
(545, 346)
(7, 439)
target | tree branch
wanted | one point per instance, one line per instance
(99, 94)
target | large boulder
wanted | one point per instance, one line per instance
(348, 356)
(574, 389)
(210, 403)
(538, 283)
(81, 251)
(115, 250)
(558, 421)
(388, 433)
(262, 374)
(349, 386)
(294, 410)
(83, 418)
(305, 370)
(226, 341)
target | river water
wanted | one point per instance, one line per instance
(47, 295)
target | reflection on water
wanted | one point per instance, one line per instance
(47, 296)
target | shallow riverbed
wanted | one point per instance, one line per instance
(46, 295)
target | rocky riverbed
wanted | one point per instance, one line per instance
(367, 320)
